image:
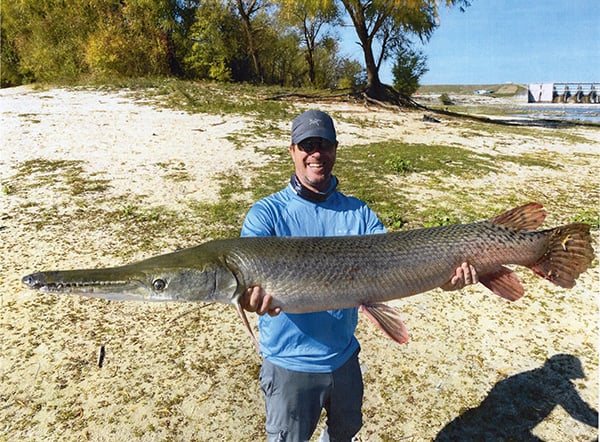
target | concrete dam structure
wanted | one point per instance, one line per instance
(564, 93)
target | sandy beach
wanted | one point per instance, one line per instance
(75, 164)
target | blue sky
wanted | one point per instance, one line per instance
(520, 41)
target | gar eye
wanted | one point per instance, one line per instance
(159, 284)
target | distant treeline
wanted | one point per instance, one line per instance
(282, 42)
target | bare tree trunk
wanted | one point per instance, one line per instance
(375, 89)
(246, 12)
(309, 39)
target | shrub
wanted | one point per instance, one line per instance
(445, 99)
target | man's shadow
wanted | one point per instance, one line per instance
(516, 405)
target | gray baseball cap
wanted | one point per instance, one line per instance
(313, 123)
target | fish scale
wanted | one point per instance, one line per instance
(376, 268)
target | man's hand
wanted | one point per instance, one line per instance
(255, 299)
(463, 276)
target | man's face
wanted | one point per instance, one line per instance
(313, 161)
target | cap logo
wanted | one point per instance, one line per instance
(313, 123)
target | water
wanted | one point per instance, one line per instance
(569, 112)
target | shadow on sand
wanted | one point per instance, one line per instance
(516, 405)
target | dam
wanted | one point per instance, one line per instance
(587, 93)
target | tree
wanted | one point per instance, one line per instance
(9, 61)
(221, 52)
(382, 26)
(132, 38)
(309, 19)
(217, 51)
(409, 67)
(247, 10)
(350, 75)
(45, 39)
(63, 40)
(283, 63)
(388, 23)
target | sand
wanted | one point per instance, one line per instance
(183, 372)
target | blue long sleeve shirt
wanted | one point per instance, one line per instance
(317, 342)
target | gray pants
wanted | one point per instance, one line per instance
(294, 401)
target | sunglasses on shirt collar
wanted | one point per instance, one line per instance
(310, 145)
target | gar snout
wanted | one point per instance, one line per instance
(49, 282)
(35, 280)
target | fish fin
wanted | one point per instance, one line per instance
(503, 282)
(387, 320)
(244, 319)
(569, 254)
(527, 217)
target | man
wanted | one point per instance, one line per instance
(311, 359)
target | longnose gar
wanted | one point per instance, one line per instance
(314, 274)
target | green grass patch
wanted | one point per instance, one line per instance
(211, 98)
(174, 170)
(67, 175)
(393, 157)
(588, 216)
(224, 218)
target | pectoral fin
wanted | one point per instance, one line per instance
(503, 282)
(387, 320)
(244, 319)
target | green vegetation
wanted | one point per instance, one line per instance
(67, 175)
(174, 170)
(446, 100)
(409, 67)
(262, 102)
(285, 42)
(437, 217)
(230, 98)
(399, 165)
(588, 216)
(508, 89)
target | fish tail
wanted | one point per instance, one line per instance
(569, 253)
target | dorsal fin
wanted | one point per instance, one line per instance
(527, 217)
